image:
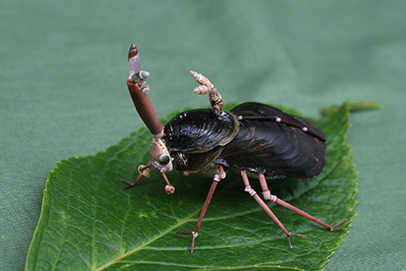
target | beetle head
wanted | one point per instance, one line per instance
(160, 157)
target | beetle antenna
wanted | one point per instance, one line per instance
(208, 88)
(139, 90)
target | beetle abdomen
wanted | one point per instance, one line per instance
(276, 149)
(199, 130)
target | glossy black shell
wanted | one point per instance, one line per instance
(196, 138)
(199, 130)
(276, 149)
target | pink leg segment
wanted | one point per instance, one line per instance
(136, 180)
(273, 198)
(304, 214)
(265, 191)
(216, 180)
(169, 189)
(263, 205)
(132, 184)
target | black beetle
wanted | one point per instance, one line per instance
(251, 137)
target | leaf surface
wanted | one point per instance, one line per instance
(89, 222)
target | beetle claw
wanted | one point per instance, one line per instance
(128, 187)
(127, 182)
(132, 184)
(338, 224)
(296, 234)
(124, 181)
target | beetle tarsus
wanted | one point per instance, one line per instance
(296, 234)
(290, 243)
(143, 170)
(131, 185)
(338, 224)
(195, 234)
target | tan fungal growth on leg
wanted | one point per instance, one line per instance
(208, 88)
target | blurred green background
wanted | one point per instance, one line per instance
(63, 92)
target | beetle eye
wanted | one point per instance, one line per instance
(164, 159)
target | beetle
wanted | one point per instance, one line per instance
(252, 137)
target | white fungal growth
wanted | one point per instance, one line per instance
(134, 64)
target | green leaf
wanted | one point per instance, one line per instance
(89, 222)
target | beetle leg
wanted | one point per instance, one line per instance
(208, 88)
(265, 190)
(132, 184)
(169, 189)
(254, 194)
(273, 198)
(222, 172)
(304, 214)
(143, 170)
(217, 178)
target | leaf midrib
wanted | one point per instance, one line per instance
(115, 260)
